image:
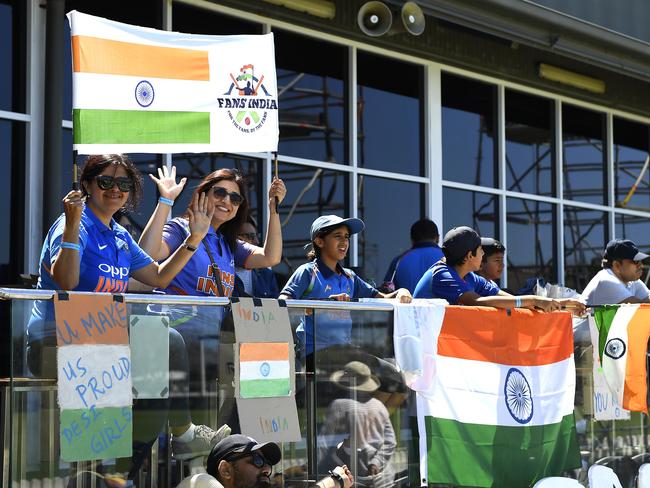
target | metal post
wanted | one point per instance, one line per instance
(53, 111)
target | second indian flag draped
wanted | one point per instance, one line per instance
(138, 89)
(264, 369)
(500, 409)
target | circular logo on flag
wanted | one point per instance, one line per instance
(519, 398)
(144, 93)
(265, 369)
(615, 348)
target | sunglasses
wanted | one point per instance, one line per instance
(105, 182)
(257, 459)
(221, 193)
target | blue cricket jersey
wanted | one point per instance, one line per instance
(442, 281)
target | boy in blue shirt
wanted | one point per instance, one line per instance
(455, 280)
(324, 277)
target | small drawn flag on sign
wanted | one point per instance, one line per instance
(264, 369)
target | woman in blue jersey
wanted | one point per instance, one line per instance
(211, 269)
(86, 250)
(324, 277)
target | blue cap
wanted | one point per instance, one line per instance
(325, 221)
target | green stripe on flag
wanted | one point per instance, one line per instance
(489, 455)
(604, 316)
(94, 126)
(264, 388)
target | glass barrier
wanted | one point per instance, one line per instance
(353, 405)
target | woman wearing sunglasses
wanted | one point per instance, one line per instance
(211, 270)
(86, 250)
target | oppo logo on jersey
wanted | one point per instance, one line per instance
(114, 271)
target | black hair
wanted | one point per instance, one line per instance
(94, 166)
(493, 248)
(457, 260)
(424, 230)
(229, 229)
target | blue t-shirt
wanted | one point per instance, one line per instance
(107, 256)
(316, 280)
(442, 281)
(412, 264)
(196, 277)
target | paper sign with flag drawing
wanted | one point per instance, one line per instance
(499, 408)
(138, 89)
(264, 369)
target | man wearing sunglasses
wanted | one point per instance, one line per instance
(239, 461)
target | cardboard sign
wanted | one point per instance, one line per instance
(149, 338)
(94, 377)
(264, 361)
(89, 319)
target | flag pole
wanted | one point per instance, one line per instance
(275, 166)
(75, 170)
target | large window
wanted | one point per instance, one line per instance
(389, 114)
(631, 175)
(583, 139)
(312, 97)
(469, 150)
(530, 158)
(473, 209)
(584, 242)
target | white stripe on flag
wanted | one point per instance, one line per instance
(473, 391)
(614, 369)
(256, 370)
(117, 92)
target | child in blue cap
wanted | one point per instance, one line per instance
(324, 277)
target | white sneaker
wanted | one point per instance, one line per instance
(204, 440)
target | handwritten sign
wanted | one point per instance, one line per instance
(90, 319)
(264, 361)
(94, 377)
(96, 433)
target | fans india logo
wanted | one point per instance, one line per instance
(247, 100)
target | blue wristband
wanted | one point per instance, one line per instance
(70, 245)
(518, 302)
(166, 201)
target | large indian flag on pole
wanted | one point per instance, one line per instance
(622, 343)
(137, 89)
(499, 411)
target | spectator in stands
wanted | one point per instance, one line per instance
(324, 277)
(619, 280)
(240, 461)
(455, 280)
(260, 282)
(493, 259)
(406, 269)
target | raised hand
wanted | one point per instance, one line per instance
(73, 205)
(276, 190)
(166, 183)
(200, 216)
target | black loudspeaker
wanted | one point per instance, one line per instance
(412, 18)
(374, 19)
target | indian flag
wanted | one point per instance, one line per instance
(623, 333)
(500, 409)
(264, 369)
(138, 89)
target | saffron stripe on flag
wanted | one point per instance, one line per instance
(264, 388)
(264, 351)
(638, 331)
(140, 127)
(107, 56)
(512, 339)
(482, 455)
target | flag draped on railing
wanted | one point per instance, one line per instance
(496, 398)
(622, 342)
(139, 89)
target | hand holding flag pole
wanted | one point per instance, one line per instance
(75, 172)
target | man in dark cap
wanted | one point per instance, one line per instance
(239, 461)
(619, 280)
(455, 279)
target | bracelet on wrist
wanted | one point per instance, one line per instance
(166, 201)
(337, 477)
(518, 302)
(71, 245)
